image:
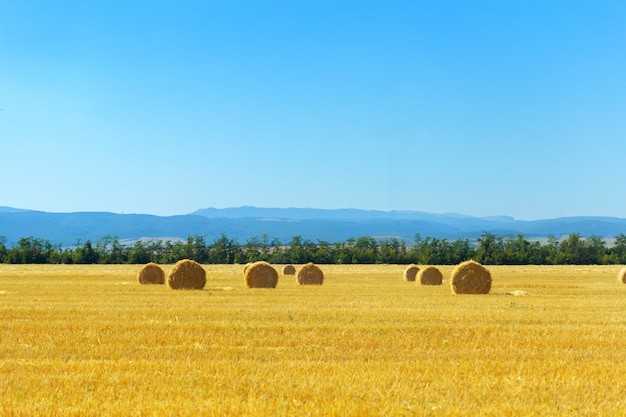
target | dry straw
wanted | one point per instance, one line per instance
(310, 274)
(151, 273)
(188, 275)
(289, 270)
(621, 276)
(260, 275)
(410, 273)
(470, 277)
(518, 293)
(429, 276)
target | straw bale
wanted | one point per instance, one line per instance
(151, 273)
(289, 270)
(518, 293)
(470, 277)
(261, 275)
(621, 276)
(310, 274)
(187, 274)
(410, 273)
(429, 276)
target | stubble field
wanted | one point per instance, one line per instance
(89, 340)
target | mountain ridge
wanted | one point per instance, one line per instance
(283, 224)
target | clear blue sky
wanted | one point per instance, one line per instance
(164, 107)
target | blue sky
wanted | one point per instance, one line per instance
(164, 107)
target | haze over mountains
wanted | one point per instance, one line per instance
(284, 223)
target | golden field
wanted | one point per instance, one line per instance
(89, 340)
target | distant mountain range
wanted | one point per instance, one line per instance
(244, 223)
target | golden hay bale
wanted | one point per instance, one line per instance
(410, 273)
(470, 277)
(261, 275)
(188, 275)
(621, 276)
(289, 270)
(429, 276)
(310, 274)
(151, 273)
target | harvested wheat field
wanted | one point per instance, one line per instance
(90, 340)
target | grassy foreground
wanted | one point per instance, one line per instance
(89, 340)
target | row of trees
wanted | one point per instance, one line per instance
(488, 249)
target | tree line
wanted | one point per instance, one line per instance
(488, 249)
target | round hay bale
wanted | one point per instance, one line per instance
(289, 270)
(151, 273)
(621, 276)
(310, 274)
(261, 275)
(187, 275)
(410, 273)
(429, 276)
(470, 277)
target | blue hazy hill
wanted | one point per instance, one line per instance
(244, 223)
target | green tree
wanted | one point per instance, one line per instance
(343, 254)
(188, 248)
(572, 250)
(86, 254)
(432, 251)
(489, 248)
(253, 249)
(365, 250)
(139, 253)
(550, 251)
(595, 249)
(618, 251)
(516, 251)
(31, 250)
(386, 254)
(223, 250)
(323, 253)
(536, 255)
(103, 247)
(459, 251)
(3, 250)
(295, 252)
(200, 250)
